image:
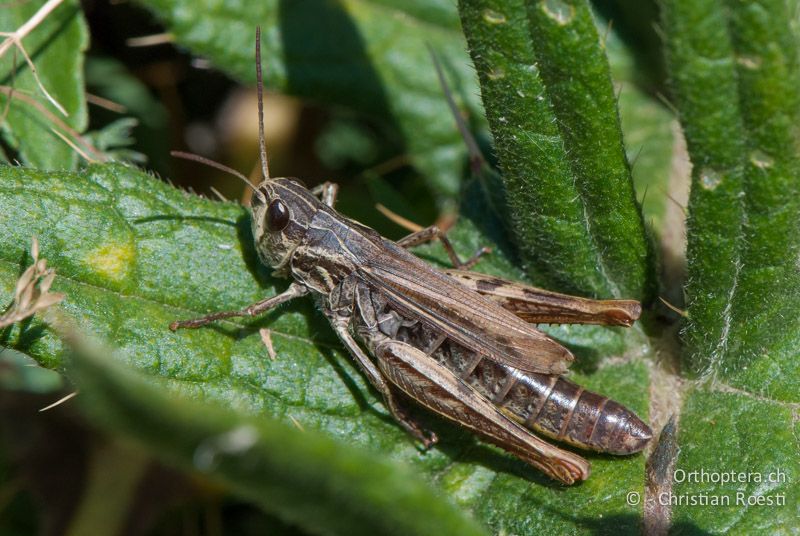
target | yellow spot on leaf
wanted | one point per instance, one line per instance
(112, 261)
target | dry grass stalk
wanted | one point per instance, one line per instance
(32, 293)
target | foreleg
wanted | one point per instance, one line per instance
(295, 290)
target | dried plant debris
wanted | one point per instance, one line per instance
(32, 293)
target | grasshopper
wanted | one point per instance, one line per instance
(456, 342)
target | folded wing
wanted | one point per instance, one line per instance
(463, 315)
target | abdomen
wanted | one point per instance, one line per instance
(550, 405)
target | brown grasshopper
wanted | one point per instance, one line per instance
(453, 341)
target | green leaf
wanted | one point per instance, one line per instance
(751, 443)
(110, 79)
(734, 71)
(552, 112)
(132, 254)
(115, 140)
(736, 77)
(369, 55)
(303, 477)
(649, 145)
(635, 22)
(648, 131)
(56, 47)
(575, 71)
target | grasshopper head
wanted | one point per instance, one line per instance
(282, 211)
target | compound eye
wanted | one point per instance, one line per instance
(277, 216)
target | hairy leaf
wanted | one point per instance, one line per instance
(647, 122)
(736, 77)
(552, 111)
(740, 449)
(734, 71)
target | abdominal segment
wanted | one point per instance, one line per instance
(550, 405)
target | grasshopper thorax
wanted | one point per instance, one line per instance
(282, 210)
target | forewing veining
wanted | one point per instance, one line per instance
(463, 315)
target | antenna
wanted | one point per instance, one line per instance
(476, 159)
(221, 167)
(262, 146)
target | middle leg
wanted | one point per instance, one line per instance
(376, 378)
(430, 233)
(327, 192)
